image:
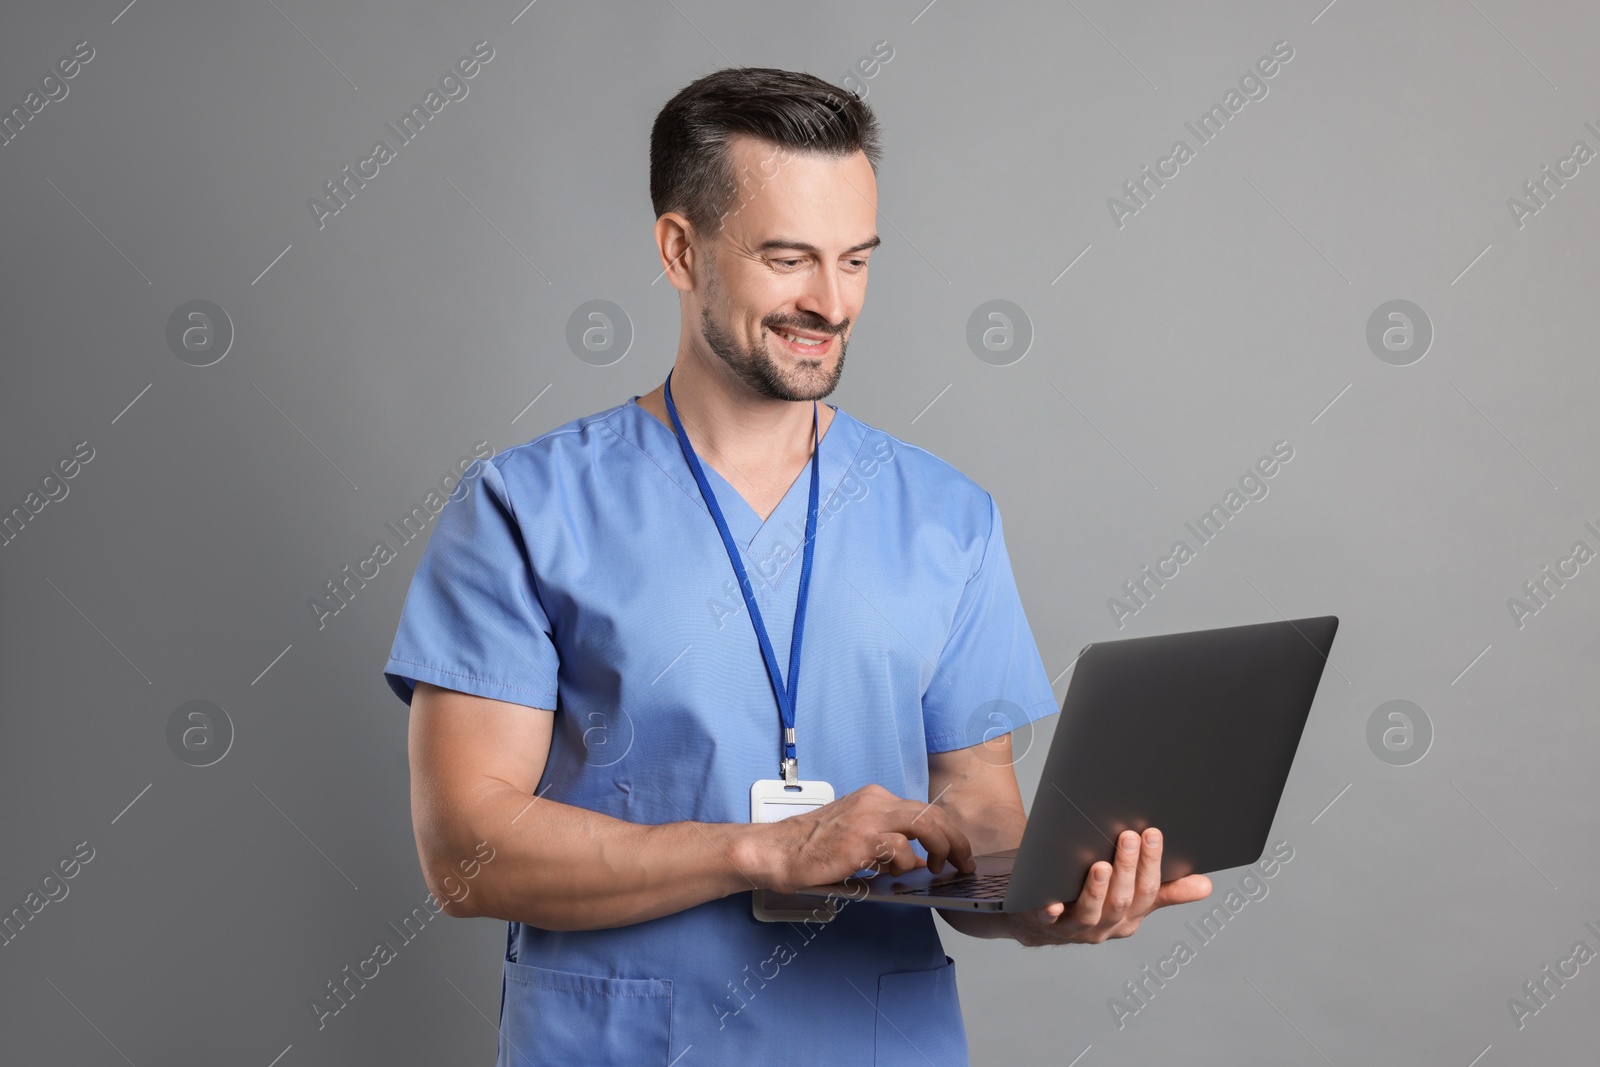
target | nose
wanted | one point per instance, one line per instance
(824, 296)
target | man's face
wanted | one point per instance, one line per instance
(789, 267)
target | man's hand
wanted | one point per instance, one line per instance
(870, 827)
(1115, 898)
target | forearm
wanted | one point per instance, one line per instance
(978, 923)
(994, 827)
(560, 867)
(994, 830)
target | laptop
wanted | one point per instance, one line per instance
(1193, 733)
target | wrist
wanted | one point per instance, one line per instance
(753, 851)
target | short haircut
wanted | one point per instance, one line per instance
(690, 168)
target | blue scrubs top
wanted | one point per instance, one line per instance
(581, 572)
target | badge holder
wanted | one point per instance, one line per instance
(773, 800)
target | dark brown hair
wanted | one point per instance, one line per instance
(690, 168)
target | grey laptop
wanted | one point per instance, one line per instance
(1193, 733)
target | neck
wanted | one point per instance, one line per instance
(725, 418)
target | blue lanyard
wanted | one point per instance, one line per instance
(785, 694)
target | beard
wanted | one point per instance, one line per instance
(756, 368)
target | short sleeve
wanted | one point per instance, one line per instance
(989, 676)
(472, 619)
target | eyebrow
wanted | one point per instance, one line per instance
(776, 243)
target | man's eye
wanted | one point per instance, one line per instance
(787, 262)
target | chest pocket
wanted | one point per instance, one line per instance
(560, 1019)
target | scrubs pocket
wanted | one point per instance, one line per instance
(560, 1019)
(919, 1019)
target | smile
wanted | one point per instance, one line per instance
(802, 343)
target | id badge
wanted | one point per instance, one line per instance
(773, 800)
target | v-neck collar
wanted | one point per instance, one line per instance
(836, 451)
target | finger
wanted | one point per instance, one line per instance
(1185, 890)
(1119, 896)
(1147, 879)
(1049, 925)
(929, 824)
(939, 836)
(882, 853)
(935, 840)
(902, 856)
(1091, 902)
(958, 849)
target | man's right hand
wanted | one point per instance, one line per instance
(870, 827)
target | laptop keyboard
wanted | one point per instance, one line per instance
(969, 886)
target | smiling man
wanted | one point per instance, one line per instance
(575, 705)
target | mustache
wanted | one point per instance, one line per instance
(815, 326)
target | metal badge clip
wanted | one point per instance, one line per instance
(790, 767)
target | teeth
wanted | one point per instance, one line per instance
(799, 340)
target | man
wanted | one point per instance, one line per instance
(594, 688)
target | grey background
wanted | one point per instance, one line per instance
(1228, 314)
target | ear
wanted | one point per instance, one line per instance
(675, 244)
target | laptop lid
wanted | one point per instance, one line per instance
(1193, 733)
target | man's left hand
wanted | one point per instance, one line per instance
(1115, 899)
